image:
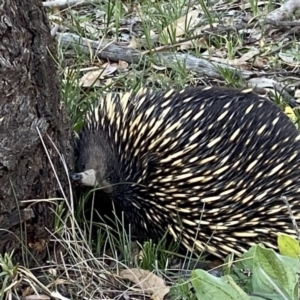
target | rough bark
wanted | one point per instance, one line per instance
(29, 99)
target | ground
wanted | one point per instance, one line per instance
(118, 46)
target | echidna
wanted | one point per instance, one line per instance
(210, 165)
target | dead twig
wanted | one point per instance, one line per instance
(116, 52)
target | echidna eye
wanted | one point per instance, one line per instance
(108, 179)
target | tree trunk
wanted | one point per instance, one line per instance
(29, 103)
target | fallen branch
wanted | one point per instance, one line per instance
(283, 12)
(283, 23)
(66, 3)
(120, 51)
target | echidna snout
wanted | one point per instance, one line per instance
(86, 178)
(209, 165)
(90, 178)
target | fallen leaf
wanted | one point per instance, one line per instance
(248, 55)
(291, 114)
(258, 62)
(195, 44)
(93, 77)
(133, 43)
(123, 65)
(147, 281)
(287, 57)
(237, 61)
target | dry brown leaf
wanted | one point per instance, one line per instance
(147, 281)
(198, 44)
(109, 68)
(258, 62)
(181, 25)
(248, 55)
(237, 61)
(123, 65)
(133, 43)
(93, 77)
(187, 45)
(211, 51)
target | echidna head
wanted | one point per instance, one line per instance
(97, 164)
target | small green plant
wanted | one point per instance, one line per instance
(254, 7)
(8, 273)
(59, 216)
(119, 13)
(278, 98)
(156, 255)
(109, 14)
(207, 13)
(231, 76)
(180, 75)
